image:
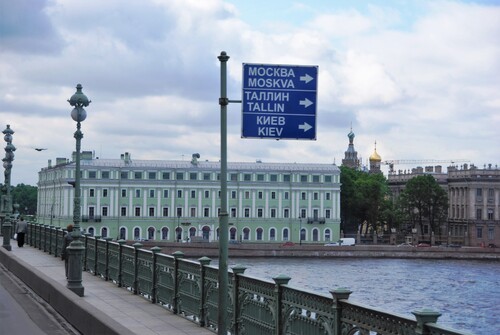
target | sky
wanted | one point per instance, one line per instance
(421, 79)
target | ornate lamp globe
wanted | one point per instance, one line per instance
(79, 100)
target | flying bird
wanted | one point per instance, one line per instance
(40, 149)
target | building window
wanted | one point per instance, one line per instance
(233, 177)
(273, 195)
(315, 235)
(286, 177)
(327, 213)
(286, 213)
(179, 193)
(479, 232)
(137, 233)
(206, 176)
(137, 211)
(491, 233)
(152, 175)
(247, 195)
(151, 211)
(303, 195)
(193, 194)
(247, 212)
(315, 179)
(327, 235)
(479, 214)
(193, 176)
(233, 212)
(233, 194)
(137, 193)
(260, 212)
(328, 179)
(273, 177)
(207, 194)
(179, 176)
(247, 177)
(179, 212)
(260, 177)
(303, 178)
(315, 195)
(273, 212)
(193, 212)
(285, 234)
(260, 194)
(259, 234)
(272, 234)
(315, 213)
(124, 175)
(123, 211)
(287, 195)
(246, 234)
(137, 175)
(104, 192)
(328, 195)
(91, 193)
(218, 195)
(104, 174)
(92, 174)
(303, 213)
(490, 214)
(165, 175)
(164, 233)
(165, 193)
(165, 211)
(123, 233)
(151, 193)
(104, 211)
(104, 232)
(479, 192)
(206, 212)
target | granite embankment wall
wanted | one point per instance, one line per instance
(193, 250)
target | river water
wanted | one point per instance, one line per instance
(466, 293)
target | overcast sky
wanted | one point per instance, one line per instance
(421, 78)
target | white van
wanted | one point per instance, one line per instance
(346, 241)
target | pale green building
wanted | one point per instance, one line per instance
(153, 199)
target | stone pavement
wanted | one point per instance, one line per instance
(104, 308)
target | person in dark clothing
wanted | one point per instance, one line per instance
(21, 230)
(64, 253)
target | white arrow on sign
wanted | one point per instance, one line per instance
(306, 126)
(307, 78)
(306, 102)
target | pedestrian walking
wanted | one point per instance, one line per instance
(67, 240)
(21, 230)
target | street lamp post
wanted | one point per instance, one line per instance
(7, 164)
(76, 247)
(178, 224)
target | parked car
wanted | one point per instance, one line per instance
(492, 245)
(288, 244)
(423, 245)
(406, 244)
(347, 241)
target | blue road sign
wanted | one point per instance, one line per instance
(279, 101)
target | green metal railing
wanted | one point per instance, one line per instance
(190, 289)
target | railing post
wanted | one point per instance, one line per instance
(237, 271)
(278, 292)
(106, 271)
(51, 228)
(96, 255)
(154, 276)
(58, 238)
(120, 262)
(44, 234)
(424, 316)
(204, 261)
(175, 304)
(85, 252)
(338, 294)
(136, 246)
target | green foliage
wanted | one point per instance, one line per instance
(26, 197)
(423, 200)
(363, 197)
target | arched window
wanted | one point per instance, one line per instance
(246, 234)
(285, 234)
(259, 234)
(303, 234)
(164, 233)
(104, 232)
(91, 231)
(232, 233)
(123, 233)
(315, 235)
(137, 233)
(272, 234)
(206, 232)
(178, 234)
(192, 231)
(327, 234)
(151, 233)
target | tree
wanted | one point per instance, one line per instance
(424, 200)
(26, 197)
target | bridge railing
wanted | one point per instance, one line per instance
(190, 289)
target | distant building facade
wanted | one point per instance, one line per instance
(180, 200)
(473, 199)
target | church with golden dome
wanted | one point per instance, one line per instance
(375, 161)
(352, 161)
